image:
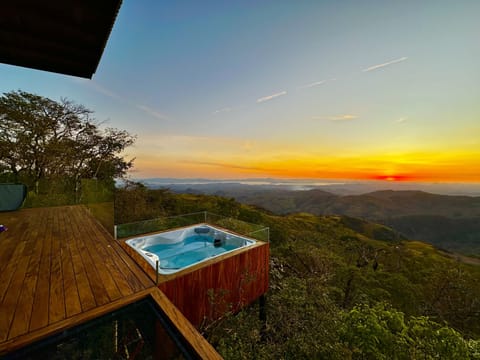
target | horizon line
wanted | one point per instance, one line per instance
(383, 179)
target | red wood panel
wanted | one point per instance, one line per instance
(207, 293)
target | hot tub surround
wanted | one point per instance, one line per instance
(178, 249)
(206, 290)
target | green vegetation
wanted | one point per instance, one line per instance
(455, 234)
(448, 222)
(52, 147)
(340, 288)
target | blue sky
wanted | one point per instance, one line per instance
(343, 89)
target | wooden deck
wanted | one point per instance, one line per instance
(59, 267)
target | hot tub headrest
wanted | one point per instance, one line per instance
(202, 230)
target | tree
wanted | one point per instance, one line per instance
(375, 333)
(381, 332)
(44, 139)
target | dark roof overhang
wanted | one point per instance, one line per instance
(62, 36)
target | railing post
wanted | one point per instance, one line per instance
(115, 232)
(205, 216)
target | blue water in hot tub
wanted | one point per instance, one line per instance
(191, 250)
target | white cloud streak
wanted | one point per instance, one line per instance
(222, 110)
(270, 97)
(152, 112)
(227, 165)
(102, 90)
(401, 120)
(98, 88)
(316, 83)
(388, 63)
(342, 117)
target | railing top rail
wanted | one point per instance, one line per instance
(163, 217)
(255, 231)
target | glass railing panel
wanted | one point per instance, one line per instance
(96, 195)
(255, 231)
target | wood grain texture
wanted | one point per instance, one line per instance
(206, 293)
(198, 344)
(202, 348)
(59, 266)
(28, 338)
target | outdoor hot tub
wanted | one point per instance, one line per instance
(181, 248)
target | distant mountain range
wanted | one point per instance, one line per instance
(448, 222)
(338, 187)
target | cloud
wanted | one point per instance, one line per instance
(103, 90)
(152, 112)
(98, 88)
(316, 83)
(226, 165)
(222, 110)
(336, 117)
(388, 63)
(401, 120)
(270, 97)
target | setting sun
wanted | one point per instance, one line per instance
(394, 177)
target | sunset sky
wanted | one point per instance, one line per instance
(386, 90)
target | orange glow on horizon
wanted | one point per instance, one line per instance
(413, 167)
(395, 177)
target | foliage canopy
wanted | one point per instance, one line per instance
(337, 292)
(45, 139)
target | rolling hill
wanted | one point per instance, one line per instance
(340, 287)
(449, 222)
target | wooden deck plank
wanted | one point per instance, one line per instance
(85, 292)
(109, 285)
(72, 298)
(41, 299)
(57, 298)
(121, 281)
(23, 312)
(11, 299)
(136, 273)
(58, 264)
(9, 248)
(9, 270)
(97, 241)
(98, 290)
(126, 270)
(13, 291)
